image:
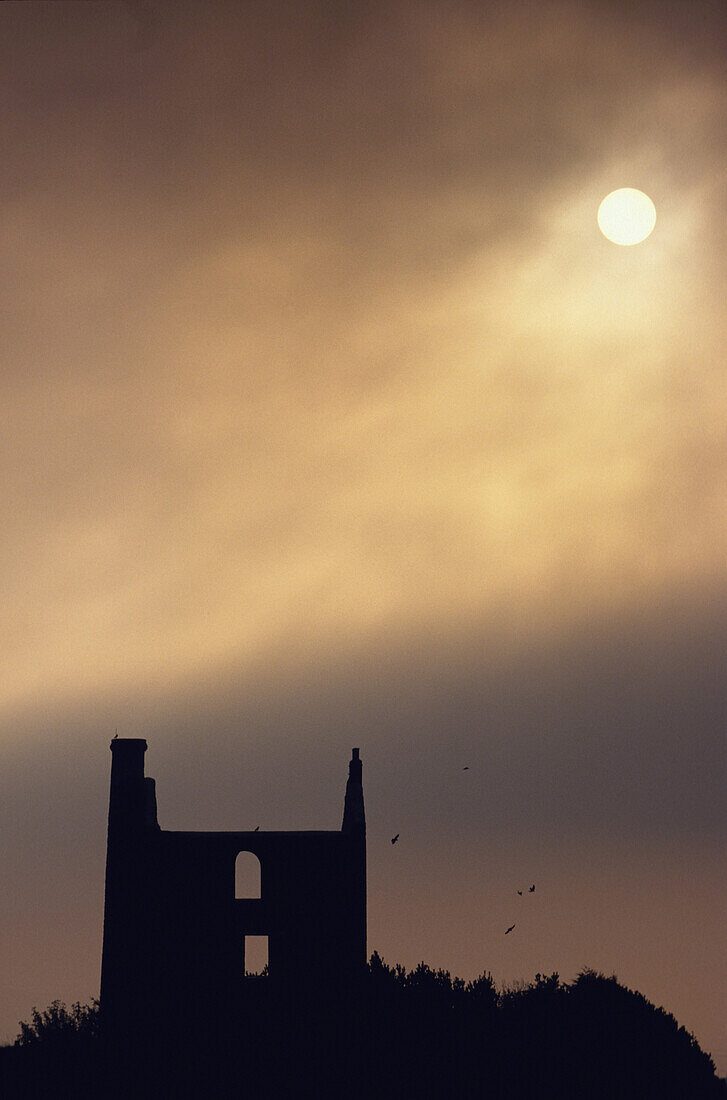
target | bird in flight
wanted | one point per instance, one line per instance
(394, 839)
(509, 929)
(520, 893)
(532, 889)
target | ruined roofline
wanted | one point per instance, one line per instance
(220, 833)
(132, 790)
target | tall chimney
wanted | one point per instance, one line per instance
(128, 798)
(354, 818)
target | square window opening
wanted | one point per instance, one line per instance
(255, 956)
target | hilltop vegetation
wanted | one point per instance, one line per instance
(418, 1033)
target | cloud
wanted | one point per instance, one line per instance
(312, 330)
(329, 419)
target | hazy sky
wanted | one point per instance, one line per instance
(329, 418)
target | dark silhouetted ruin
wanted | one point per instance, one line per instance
(174, 931)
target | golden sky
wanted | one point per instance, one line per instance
(329, 417)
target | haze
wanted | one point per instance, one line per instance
(329, 418)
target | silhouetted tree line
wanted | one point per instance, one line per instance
(402, 1034)
(55, 1054)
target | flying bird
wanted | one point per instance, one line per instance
(509, 929)
(394, 839)
(532, 889)
(520, 893)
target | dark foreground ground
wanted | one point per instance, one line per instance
(403, 1035)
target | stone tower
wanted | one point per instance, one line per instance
(174, 932)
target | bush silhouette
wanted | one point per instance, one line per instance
(58, 1025)
(56, 1054)
(419, 1033)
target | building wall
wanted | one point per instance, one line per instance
(174, 931)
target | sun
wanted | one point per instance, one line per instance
(626, 216)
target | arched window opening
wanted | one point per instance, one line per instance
(247, 876)
(255, 956)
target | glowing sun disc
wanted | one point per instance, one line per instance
(626, 216)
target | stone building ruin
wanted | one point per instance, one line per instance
(174, 933)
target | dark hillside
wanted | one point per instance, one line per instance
(418, 1033)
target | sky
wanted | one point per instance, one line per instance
(330, 418)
